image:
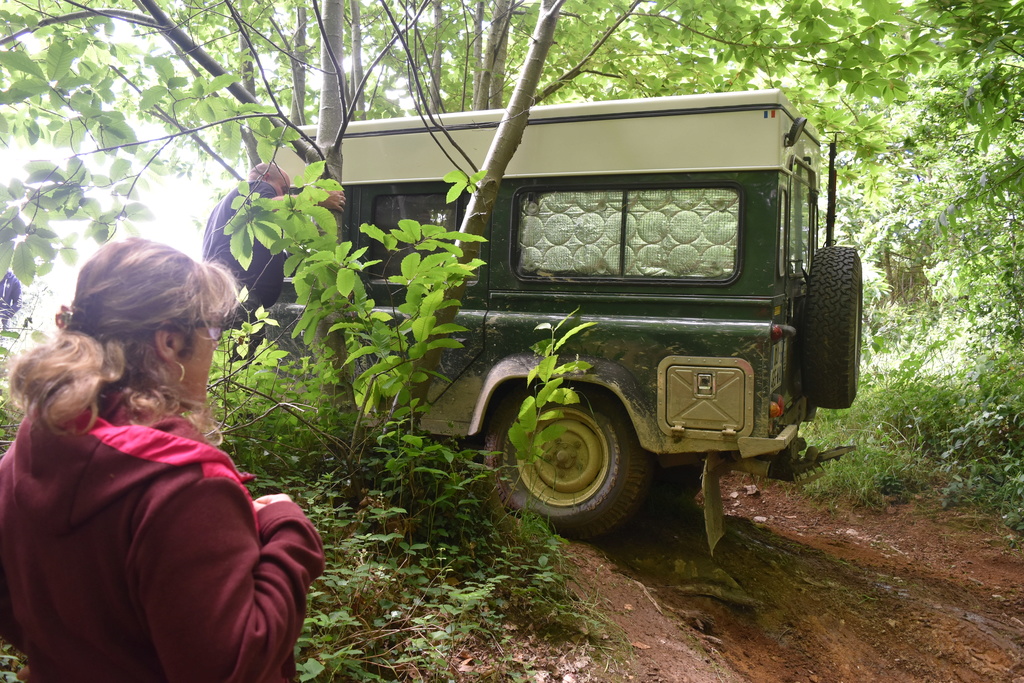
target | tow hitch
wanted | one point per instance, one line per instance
(805, 468)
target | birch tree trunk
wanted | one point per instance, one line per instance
(332, 119)
(332, 96)
(435, 61)
(491, 69)
(249, 81)
(478, 52)
(357, 97)
(499, 58)
(503, 147)
(300, 57)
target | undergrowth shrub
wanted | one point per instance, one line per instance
(426, 571)
(424, 568)
(275, 417)
(933, 418)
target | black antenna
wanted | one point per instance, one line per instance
(830, 213)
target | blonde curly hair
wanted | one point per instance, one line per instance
(125, 293)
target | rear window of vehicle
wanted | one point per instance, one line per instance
(428, 209)
(673, 233)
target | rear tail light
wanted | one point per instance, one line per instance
(777, 407)
(778, 332)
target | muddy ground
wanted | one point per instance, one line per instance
(795, 593)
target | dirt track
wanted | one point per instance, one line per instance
(794, 594)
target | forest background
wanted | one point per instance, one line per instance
(922, 97)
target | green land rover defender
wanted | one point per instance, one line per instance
(687, 228)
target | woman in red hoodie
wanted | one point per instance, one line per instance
(130, 549)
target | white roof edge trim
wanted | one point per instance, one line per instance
(680, 134)
(588, 174)
(549, 113)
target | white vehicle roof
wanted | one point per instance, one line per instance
(711, 132)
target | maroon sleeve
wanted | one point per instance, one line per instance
(9, 628)
(223, 604)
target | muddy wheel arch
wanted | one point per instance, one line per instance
(597, 475)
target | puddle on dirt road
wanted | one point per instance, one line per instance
(777, 609)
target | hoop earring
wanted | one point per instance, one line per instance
(182, 378)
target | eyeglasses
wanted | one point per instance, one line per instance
(213, 332)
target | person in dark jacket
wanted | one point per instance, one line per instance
(10, 298)
(265, 275)
(130, 548)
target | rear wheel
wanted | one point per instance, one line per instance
(589, 481)
(830, 334)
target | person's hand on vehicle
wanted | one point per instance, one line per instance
(335, 200)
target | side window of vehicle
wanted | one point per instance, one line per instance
(677, 233)
(802, 219)
(428, 209)
(783, 223)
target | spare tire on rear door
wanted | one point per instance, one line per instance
(829, 337)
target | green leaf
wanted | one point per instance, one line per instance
(241, 247)
(267, 232)
(547, 390)
(551, 431)
(40, 247)
(6, 254)
(221, 82)
(152, 96)
(204, 110)
(527, 409)
(455, 176)
(544, 369)
(459, 182)
(70, 135)
(410, 264)
(121, 168)
(310, 669)
(408, 231)
(571, 333)
(517, 436)
(23, 263)
(43, 172)
(59, 57)
(232, 139)
(17, 60)
(373, 232)
(445, 343)
(345, 281)
(324, 219)
(21, 91)
(266, 149)
(422, 327)
(311, 173)
(454, 192)
(137, 211)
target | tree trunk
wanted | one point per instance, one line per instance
(435, 61)
(478, 54)
(300, 57)
(357, 97)
(492, 64)
(332, 119)
(332, 96)
(499, 58)
(506, 141)
(249, 82)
